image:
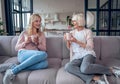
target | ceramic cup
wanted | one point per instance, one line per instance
(68, 36)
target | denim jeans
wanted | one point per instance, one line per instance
(86, 68)
(31, 60)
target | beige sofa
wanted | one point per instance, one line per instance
(107, 49)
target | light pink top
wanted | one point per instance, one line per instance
(31, 46)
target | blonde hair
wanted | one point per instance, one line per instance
(33, 17)
(79, 18)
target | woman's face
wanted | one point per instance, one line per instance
(37, 23)
(75, 24)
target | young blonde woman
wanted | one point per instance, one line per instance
(82, 64)
(31, 47)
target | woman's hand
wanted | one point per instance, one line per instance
(27, 39)
(78, 42)
(34, 39)
(73, 39)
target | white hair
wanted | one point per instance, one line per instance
(79, 18)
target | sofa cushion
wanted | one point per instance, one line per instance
(110, 47)
(110, 62)
(97, 45)
(13, 43)
(12, 60)
(3, 58)
(21, 78)
(54, 63)
(64, 77)
(5, 45)
(54, 47)
(46, 76)
(66, 51)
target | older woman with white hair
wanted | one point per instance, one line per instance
(82, 61)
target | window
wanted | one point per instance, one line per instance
(107, 16)
(20, 11)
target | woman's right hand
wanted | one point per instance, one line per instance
(73, 39)
(27, 39)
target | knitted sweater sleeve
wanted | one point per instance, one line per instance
(20, 42)
(89, 39)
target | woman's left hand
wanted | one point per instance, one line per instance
(72, 39)
(34, 39)
(78, 42)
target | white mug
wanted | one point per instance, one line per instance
(68, 36)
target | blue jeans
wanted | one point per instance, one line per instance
(86, 68)
(31, 60)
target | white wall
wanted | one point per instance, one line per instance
(50, 6)
(63, 8)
